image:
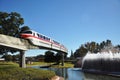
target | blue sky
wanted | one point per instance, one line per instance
(71, 22)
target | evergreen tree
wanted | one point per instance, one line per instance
(81, 52)
(72, 55)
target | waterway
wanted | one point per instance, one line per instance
(77, 74)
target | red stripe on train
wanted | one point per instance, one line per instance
(29, 35)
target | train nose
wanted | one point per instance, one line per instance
(24, 35)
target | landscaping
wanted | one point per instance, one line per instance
(11, 71)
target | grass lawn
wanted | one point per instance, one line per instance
(38, 63)
(66, 64)
(12, 71)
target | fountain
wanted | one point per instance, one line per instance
(103, 62)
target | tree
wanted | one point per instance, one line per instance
(81, 52)
(10, 23)
(24, 28)
(102, 45)
(5, 50)
(108, 42)
(87, 46)
(72, 55)
(93, 47)
(97, 48)
(39, 57)
(49, 56)
(16, 57)
(7, 57)
(118, 46)
(58, 57)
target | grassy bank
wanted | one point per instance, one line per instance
(38, 63)
(11, 71)
(66, 64)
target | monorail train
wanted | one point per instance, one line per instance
(41, 40)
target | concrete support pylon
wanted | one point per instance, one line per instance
(62, 59)
(22, 59)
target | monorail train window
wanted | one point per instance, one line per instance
(33, 34)
(41, 36)
(38, 35)
(47, 38)
(28, 32)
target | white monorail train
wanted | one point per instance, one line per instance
(41, 40)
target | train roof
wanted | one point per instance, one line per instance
(38, 33)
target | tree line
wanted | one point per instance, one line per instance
(48, 57)
(93, 47)
(9, 57)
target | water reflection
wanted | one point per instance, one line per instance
(98, 77)
(77, 74)
(60, 72)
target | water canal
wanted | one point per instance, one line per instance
(77, 74)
